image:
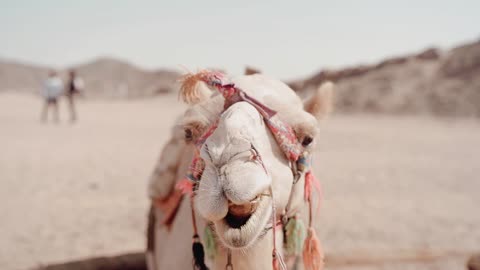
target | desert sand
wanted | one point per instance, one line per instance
(401, 192)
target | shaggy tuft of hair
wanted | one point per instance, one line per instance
(190, 93)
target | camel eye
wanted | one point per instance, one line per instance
(188, 135)
(307, 141)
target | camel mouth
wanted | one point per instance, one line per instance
(238, 215)
(244, 223)
(236, 221)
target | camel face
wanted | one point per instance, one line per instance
(244, 166)
(242, 162)
(246, 174)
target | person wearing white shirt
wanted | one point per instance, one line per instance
(51, 91)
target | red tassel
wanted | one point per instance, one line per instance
(312, 252)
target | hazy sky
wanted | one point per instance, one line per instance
(286, 39)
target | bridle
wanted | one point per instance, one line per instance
(299, 158)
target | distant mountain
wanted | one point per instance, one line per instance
(104, 78)
(107, 77)
(431, 82)
(21, 77)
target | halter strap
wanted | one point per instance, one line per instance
(283, 133)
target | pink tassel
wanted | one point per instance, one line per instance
(185, 186)
(308, 185)
(311, 181)
(312, 252)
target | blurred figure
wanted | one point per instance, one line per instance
(75, 85)
(251, 71)
(52, 89)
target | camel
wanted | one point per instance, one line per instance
(236, 192)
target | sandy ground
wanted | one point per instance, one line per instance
(400, 192)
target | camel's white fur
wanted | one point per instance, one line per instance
(164, 175)
(231, 176)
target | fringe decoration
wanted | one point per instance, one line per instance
(188, 89)
(295, 236)
(312, 252)
(210, 244)
(198, 254)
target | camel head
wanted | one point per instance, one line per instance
(244, 165)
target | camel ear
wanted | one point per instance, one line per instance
(320, 105)
(197, 118)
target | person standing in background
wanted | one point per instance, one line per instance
(52, 89)
(75, 85)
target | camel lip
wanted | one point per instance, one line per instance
(241, 231)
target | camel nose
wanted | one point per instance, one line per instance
(234, 185)
(244, 181)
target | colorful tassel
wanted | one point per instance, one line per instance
(312, 252)
(311, 182)
(198, 254)
(210, 244)
(295, 236)
(189, 91)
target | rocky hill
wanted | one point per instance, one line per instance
(21, 77)
(431, 82)
(104, 78)
(107, 77)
